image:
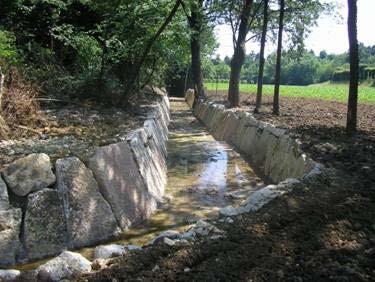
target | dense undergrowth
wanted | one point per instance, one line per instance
(86, 50)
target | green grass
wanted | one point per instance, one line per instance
(325, 91)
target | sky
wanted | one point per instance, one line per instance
(330, 34)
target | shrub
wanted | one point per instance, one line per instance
(8, 50)
(20, 109)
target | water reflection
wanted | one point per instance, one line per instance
(203, 176)
(215, 170)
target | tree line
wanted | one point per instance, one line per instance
(302, 68)
(301, 15)
(109, 50)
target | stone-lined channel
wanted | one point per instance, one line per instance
(204, 175)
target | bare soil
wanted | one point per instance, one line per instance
(74, 129)
(322, 231)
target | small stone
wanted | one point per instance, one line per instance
(183, 242)
(187, 269)
(133, 248)
(109, 251)
(65, 266)
(9, 274)
(188, 236)
(168, 242)
(99, 264)
(29, 174)
(229, 220)
(156, 268)
(171, 234)
(202, 228)
(215, 237)
(229, 211)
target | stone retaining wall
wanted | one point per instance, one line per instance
(88, 201)
(271, 149)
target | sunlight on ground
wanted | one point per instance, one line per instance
(334, 92)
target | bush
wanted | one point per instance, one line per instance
(8, 51)
(20, 109)
(341, 75)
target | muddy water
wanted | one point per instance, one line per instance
(203, 176)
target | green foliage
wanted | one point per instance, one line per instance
(8, 51)
(91, 48)
(87, 48)
(341, 75)
(301, 67)
(326, 91)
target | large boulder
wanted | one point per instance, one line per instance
(88, 215)
(29, 174)
(44, 227)
(65, 266)
(4, 199)
(150, 162)
(10, 222)
(121, 183)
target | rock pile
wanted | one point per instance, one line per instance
(46, 209)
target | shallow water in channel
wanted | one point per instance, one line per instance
(204, 175)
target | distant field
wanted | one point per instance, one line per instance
(334, 92)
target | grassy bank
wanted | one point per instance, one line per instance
(334, 92)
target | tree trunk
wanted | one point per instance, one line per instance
(276, 102)
(351, 122)
(195, 44)
(239, 56)
(150, 43)
(261, 59)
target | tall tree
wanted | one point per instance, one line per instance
(276, 95)
(351, 123)
(239, 55)
(261, 58)
(195, 19)
(151, 42)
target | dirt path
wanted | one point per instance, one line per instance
(323, 231)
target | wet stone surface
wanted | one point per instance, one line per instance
(204, 175)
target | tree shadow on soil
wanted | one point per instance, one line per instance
(322, 231)
(316, 233)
